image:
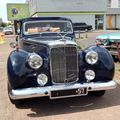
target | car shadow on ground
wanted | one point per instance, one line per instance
(41, 107)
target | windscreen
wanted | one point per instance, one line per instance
(38, 27)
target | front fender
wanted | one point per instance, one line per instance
(16, 67)
(20, 75)
(104, 68)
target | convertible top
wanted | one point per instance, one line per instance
(43, 18)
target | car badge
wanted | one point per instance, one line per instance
(66, 81)
(64, 41)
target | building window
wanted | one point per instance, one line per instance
(119, 3)
(109, 3)
(99, 22)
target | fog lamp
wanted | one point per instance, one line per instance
(42, 79)
(90, 75)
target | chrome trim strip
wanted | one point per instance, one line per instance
(45, 91)
(114, 52)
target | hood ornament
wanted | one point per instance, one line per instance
(63, 38)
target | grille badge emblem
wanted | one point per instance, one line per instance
(66, 80)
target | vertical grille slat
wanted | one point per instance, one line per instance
(71, 65)
(64, 64)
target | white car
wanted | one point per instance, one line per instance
(8, 30)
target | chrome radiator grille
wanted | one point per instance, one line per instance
(64, 67)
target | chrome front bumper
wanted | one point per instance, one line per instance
(115, 53)
(46, 91)
(112, 52)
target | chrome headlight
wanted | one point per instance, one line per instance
(42, 79)
(91, 57)
(35, 61)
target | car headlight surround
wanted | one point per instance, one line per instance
(91, 57)
(35, 61)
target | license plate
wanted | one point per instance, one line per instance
(68, 93)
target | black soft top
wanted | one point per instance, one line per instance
(43, 18)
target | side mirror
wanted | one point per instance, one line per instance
(17, 38)
(13, 45)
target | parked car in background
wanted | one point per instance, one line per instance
(48, 62)
(81, 27)
(8, 30)
(111, 42)
(1, 29)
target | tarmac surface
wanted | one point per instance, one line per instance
(78, 108)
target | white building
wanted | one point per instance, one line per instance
(0, 20)
(101, 14)
(114, 3)
(113, 14)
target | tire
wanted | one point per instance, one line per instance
(15, 102)
(98, 93)
(116, 59)
(86, 30)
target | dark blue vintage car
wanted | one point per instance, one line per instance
(47, 61)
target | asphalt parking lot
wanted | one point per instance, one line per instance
(84, 108)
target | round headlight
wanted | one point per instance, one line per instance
(90, 75)
(91, 57)
(42, 79)
(35, 61)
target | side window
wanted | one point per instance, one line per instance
(17, 25)
(18, 28)
(68, 27)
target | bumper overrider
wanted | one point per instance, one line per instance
(46, 91)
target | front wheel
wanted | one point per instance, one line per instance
(115, 58)
(98, 93)
(86, 30)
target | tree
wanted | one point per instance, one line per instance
(9, 24)
(4, 24)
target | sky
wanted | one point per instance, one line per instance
(3, 8)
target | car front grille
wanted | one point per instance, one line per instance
(64, 64)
